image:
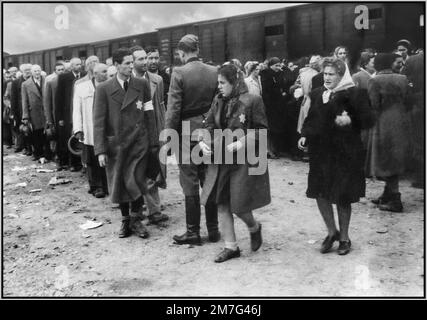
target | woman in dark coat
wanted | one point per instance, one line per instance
(332, 133)
(273, 92)
(235, 186)
(389, 139)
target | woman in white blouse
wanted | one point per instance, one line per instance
(253, 81)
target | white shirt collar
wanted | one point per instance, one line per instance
(121, 82)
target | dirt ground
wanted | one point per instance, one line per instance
(46, 253)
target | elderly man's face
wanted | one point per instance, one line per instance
(12, 72)
(26, 72)
(91, 63)
(76, 65)
(153, 61)
(140, 61)
(36, 72)
(101, 73)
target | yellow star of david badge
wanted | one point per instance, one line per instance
(242, 118)
(139, 105)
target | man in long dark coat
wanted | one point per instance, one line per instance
(63, 115)
(16, 109)
(124, 139)
(32, 112)
(191, 92)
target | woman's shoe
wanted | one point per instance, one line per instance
(344, 247)
(329, 242)
(227, 254)
(256, 238)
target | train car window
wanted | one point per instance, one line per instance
(59, 58)
(376, 13)
(82, 53)
(274, 30)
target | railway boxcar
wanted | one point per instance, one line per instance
(290, 32)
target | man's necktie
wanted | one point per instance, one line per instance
(125, 85)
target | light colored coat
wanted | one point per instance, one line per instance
(84, 93)
(32, 103)
(306, 74)
(254, 87)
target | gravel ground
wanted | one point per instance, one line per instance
(46, 253)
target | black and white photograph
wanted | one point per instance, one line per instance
(206, 150)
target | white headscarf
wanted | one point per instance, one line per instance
(345, 83)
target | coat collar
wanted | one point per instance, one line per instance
(153, 83)
(32, 85)
(120, 96)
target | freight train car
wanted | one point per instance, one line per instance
(297, 31)
(290, 32)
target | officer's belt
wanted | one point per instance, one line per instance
(194, 112)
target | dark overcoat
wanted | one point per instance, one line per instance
(121, 130)
(32, 103)
(273, 85)
(336, 153)
(63, 99)
(157, 96)
(388, 143)
(16, 99)
(247, 192)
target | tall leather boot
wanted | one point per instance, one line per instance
(211, 211)
(192, 216)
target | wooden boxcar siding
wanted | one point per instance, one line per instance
(165, 47)
(403, 22)
(245, 39)
(340, 29)
(305, 31)
(276, 45)
(212, 41)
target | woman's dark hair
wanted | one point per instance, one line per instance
(252, 67)
(230, 72)
(120, 53)
(335, 63)
(365, 57)
(384, 61)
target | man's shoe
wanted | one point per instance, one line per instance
(18, 150)
(214, 236)
(188, 238)
(227, 254)
(328, 242)
(125, 230)
(394, 204)
(99, 193)
(256, 238)
(157, 217)
(344, 247)
(138, 228)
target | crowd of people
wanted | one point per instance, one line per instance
(347, 122)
